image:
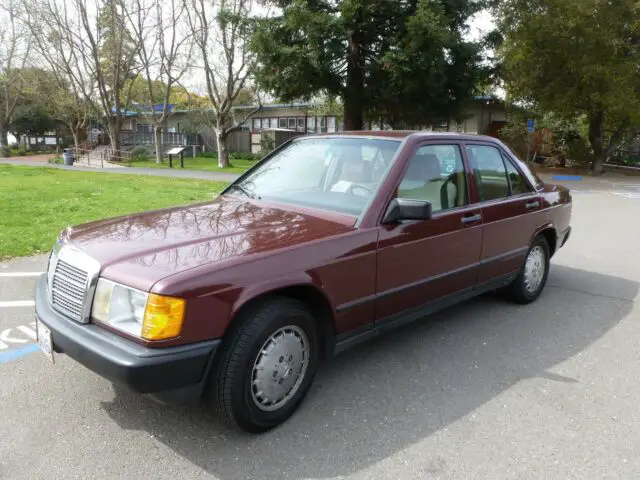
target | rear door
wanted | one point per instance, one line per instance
(507, 202)
(420, 262)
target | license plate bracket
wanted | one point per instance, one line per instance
(44, 340)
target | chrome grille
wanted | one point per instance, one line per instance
(72, 278)
(68, 289)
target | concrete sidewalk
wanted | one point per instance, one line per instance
(158, 172)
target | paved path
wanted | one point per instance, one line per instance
(158, 172)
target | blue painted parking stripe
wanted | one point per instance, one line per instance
(12, 355)
(567, 177)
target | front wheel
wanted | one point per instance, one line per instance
(531, 279)
(267, 366)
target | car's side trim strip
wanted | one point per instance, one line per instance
(347, 340)
(392, 291)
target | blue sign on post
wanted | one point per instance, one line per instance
(531, 125)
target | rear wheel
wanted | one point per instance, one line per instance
(267, 366)
(531, 279)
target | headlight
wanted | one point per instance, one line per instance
(145, 315)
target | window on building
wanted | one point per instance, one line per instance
(292, 123)
(273, 122)
(311, 124)
(282, 122)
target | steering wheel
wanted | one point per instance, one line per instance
(354, 186)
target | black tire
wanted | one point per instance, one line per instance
(230, 390)
(518, 290)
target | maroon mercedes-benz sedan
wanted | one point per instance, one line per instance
(328, 241)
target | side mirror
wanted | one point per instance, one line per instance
(406, 209)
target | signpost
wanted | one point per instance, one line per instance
(176, 151)
(531, 126)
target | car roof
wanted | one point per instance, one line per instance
(401, 134)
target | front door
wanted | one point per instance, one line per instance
(506, 201)
(420, 262)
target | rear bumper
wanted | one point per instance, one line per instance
(170, 375)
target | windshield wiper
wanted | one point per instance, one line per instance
(244, 190)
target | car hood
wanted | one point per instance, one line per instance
(139, 250)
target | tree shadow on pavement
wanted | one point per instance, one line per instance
(385, 395)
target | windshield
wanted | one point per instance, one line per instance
(338, 174)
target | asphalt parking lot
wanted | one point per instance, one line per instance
(484, 390)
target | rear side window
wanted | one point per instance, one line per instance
(489, 171)
(516, 180)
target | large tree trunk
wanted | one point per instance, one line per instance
(115, 127)
(223, 154)
(76, 142)
(4, 141)
(354, 92)
(596, 139)
(158, 141)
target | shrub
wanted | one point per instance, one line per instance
(55, 160)
(244, 156)
(23, 150)
(140, 154)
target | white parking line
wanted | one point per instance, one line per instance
(17, 303)
(20, 274)
(627, 194)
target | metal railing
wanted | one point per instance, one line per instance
(79, 153)
(118, 156)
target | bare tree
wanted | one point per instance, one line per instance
(221, 30)
(158, 27)
(91, 45)
(68, 104)
(14, 54)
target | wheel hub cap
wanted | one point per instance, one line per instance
(534, 269)
(279, 368)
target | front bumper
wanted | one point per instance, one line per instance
(170, 375)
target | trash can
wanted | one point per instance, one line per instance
(67, 155)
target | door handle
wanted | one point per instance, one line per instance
(471, 219)
(535, 204)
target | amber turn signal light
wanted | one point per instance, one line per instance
(163, 317)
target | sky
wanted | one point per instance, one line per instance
(481, 23)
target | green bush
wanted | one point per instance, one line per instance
(209, 155)
(140, 154)
(55, 160)
(23, 150)
(244, 156)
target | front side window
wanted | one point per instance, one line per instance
(336, 174)
(489, 170)
(436, 174)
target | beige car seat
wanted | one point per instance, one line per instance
(423, 181)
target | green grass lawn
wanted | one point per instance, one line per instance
(199, 163)
(39, 202)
